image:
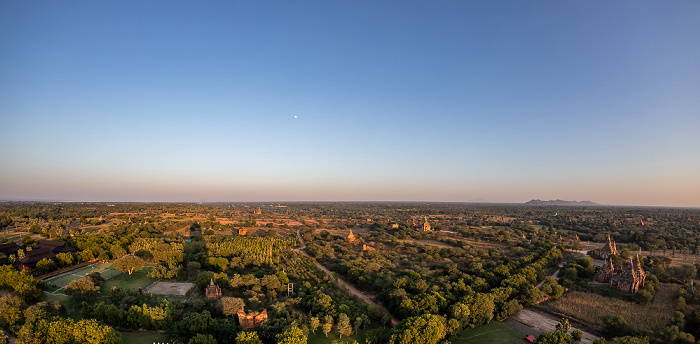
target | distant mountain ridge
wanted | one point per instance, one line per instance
(560, 202)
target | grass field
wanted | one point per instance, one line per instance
(138, 279)
(104, 268)
(143, 337)
(99, 267)
(72, 310)
(493, 333)
(62, 281)
(589, 308)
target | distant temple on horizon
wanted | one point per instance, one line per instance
(351, 237)
(425, 227)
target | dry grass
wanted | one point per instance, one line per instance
(589, 308)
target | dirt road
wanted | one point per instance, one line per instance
(555, 275)
(347, 286)
(541, 322)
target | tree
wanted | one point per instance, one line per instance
(45, 265)
(563, 326)
(556, 337)
(203, 339)
(424, 329)
(10, 310)
(386, 319)
(129, 264)
(219, 262)
(327, 324)
(376, 335)
(247, 337)
(231, 305)
(292, 335)
(91, 332)
(357, 324)
(271, 282)
(616, 325)
(105, 256)
(192, 324)
(559, 336)
(577, 335)
(313, 322)
(65, 259)
(343, 325)
(117, 251)
(692, 323)
(82, 289)
(86, 255)
(282, 277)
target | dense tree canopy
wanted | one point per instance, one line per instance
(424, 329)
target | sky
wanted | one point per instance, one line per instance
(453, 101)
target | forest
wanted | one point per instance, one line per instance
(343, 273)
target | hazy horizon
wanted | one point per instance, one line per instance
(284, 202)
(232, 101)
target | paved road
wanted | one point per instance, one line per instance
(352, 290)
(541, 322)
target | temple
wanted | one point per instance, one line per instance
(608, 249)
(426, 226)
(213, 291)
(251, 320)
(628, 280)
(351, 237)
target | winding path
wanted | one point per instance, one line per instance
(349, 287)
(555, 275)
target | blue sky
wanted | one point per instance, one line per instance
(501, 101)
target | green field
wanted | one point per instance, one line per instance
(493, 333)
(62, 281)
(72, 310)
(138, 279)
(99, 267)
(143, 337)
(104, 268)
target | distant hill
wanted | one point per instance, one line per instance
(560, 202)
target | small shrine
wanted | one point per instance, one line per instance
(351, 237)
(213, 291)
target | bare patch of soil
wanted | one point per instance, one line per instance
(170, 288)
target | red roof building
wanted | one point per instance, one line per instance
(47, 249)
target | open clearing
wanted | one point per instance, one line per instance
(492, 333)
(589, 307)
(170, 288)
(105, 269)
(138, 279)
